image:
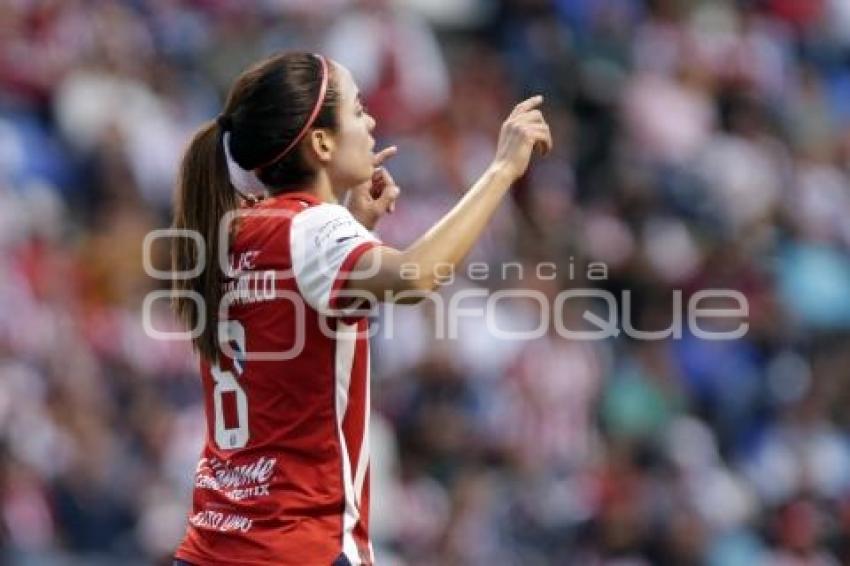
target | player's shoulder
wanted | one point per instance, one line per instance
(303, 207)
(274, 212)
(322, 217)
(301, 217)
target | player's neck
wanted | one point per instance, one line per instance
(322, 188)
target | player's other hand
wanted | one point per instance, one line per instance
(524, 130)
(370, 200)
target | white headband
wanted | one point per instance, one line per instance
(245, 182)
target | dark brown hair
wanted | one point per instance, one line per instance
(265, 110)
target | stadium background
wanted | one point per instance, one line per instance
(699, 144)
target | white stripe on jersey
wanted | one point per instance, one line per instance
(346, 341)
(363, 458)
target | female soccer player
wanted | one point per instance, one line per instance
(284, 474)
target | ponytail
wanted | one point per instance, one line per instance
(204, 196)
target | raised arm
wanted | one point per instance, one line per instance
(383, 269)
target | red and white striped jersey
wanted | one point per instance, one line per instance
(283, 477)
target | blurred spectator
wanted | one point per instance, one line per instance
(396, 61)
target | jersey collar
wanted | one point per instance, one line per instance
(303, 196)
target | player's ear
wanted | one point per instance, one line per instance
(322, 144)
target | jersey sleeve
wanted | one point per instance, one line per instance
(325, 243)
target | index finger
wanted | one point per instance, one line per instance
(527, 104)
(384, 154)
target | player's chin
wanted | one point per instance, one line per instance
(360, 177)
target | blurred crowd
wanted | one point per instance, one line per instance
(699, 145)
